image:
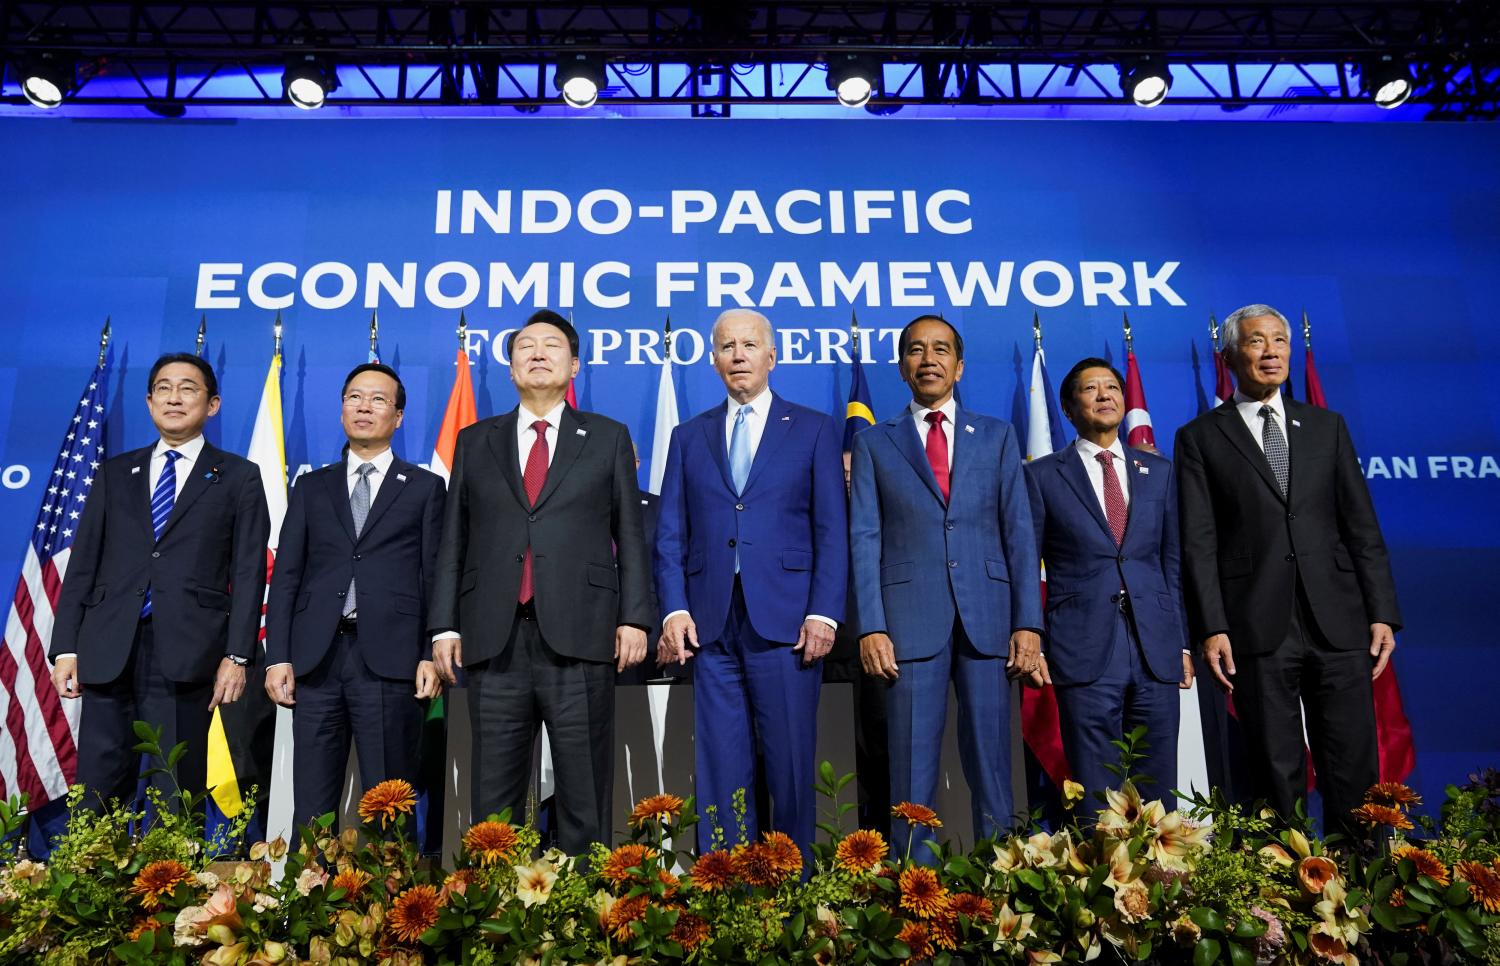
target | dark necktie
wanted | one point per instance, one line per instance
(163, 498)
(534, 478)
(937, 451)
(359, 508)
(1114, 497)
(1274, 442)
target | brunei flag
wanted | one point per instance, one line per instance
(859, 413)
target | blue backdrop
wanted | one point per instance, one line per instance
(1387, 235)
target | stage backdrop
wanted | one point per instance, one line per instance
(1387, 235)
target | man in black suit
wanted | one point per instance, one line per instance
(1288, 584)
(160, 611)
(543, 587)
(346, 622)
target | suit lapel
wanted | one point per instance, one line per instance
(903, 433)
(390, 491)
(572, 434)
(502, 442)
(1070, 467)
(337, 486)
(713, 435)
(1294, 438)
(139, 501)
(205, 473)
(1234, 428)
(778, 426)
(962, 440)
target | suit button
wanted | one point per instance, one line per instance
(1290, 557)
(140, 593)
(952, 564)
(1120, 558)
(155, 553)
(520, 557)
(1291, 516)
(732, 541)
(342, 593)
(532, 518)
(356, 556)
(739, 506)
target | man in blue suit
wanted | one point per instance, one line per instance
(752, 568)
(945, 576)
(1106, 524)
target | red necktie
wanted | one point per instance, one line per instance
(937, 451)
(534, 479)
(1114, 497)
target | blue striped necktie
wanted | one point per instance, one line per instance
(162, 501)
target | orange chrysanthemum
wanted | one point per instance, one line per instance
(352, 881)
(670, 881)
(690, 931)
(1392, 795)
(944, 932)
(713, 871)
(859, 851)
(631, 855)
(782, 853)
(1397, 898)
(458, 883)
(921, 892)
(656, 808)
(143, 926)
(1427, 864)
(414, 912)
(385, 801)
(491, 842)
(914, 934)
(1372, 814)
(977, 908)
(755, 865)
(1484, 883)
(914, 814)
(158, 881)
(622, 914)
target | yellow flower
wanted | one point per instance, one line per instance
(1427, 864)
(1484, 883)
(913, 814)
(1122, 869)
(414, 912)
(658, 808)
(713, 871)
(1012, 927)
(921, 892)
(386, 800)
(534, 882)
(158, 881)
(1072, 792)
(1372, 814)
(491, 842)
(1176, 839)
(861, 851)
(1392, 794)
(1315, 872)
(629, 856)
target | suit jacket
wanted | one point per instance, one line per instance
(207, 573)
(919, 563)
(1244, 545)
(788, 526)
(590, 564)
(394, 559)
(1086, 569)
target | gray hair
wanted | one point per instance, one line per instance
(713, 333)
(1229, 332)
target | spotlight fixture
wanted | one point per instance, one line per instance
(579, 77)
(46, 79)
(1387, 80)
(853, 78)
(1145, 80)
(308, 80)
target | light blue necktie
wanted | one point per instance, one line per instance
(162, 501)
(739, 450)
(359, 509)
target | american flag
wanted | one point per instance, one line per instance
(37, 753)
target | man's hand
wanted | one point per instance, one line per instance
(1382, 643)
(1025, 649)
(448, 654)
(630, 647)
(1220, 658)
(429, 685)
(1187, 671)
(229, 684)
(677, 635)
(65, 677)
(877, 655)
(281, 685)
(1041, 676)
(814, 640)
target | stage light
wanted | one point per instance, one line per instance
(852, 78)
(46, 79)
(579, 77)
(1145, 80)
(308, 80)
(1387, 80)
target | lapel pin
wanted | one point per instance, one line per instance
(968, 429)
(1297, 423)
(401, 477)
(582, 432)
(134, 470)
(786, 419)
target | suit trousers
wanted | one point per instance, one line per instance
(339, 700)
(753, 695)
(1124, 696)
(106, 765)
(1271, 692)
(916, 715)
(510, 698)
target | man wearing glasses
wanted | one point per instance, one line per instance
(346, 622)
(160, 611)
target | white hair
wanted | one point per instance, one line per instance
(727, 314)
(1229, 332)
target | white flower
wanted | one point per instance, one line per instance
(185, 930)
(534, 882)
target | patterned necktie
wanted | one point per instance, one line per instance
(1114, 497)
(937, 451)
(359, 508)
(1274, 444)
(739, 450)
(163, 498)
(534, 478)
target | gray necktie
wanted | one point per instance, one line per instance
(1274, 442)
(359, 508)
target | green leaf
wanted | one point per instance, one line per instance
(825, 772)
(1249, 927)
(1457, 893)
(1239, 955)
(1207, 919)
(1206, 953)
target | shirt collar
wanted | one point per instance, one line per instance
(553, 416)
(1248, 406)
(1091, 450)
(760, 405)
(949, 409)
(189, 450)
(382, 461)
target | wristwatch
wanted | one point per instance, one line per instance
(238, 661)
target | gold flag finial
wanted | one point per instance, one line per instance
(276, 332)
(202, 334)
(1129, 339)
(1036, 329)
(103, 340)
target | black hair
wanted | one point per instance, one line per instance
(548, 317)
(210, 381)
(904, 342)
(384, 370)
(1070, 381)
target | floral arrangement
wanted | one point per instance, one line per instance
(1215, 883)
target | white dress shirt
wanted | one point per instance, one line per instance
(1089, 453)
(187, 458)
(919, 416)
(526, 437)
(1249, 410)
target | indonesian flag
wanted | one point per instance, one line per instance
(661, 433)
(1138, 430)
(460, 413)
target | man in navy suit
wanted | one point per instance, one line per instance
(751, 569)
(161, 609)
(1106, 525)
(346, 622)
(946, 577)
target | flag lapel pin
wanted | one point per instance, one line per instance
(968, 429)
(1297, 423)
(786, 419)
(582, 432)
(401, 477)
(134, 470)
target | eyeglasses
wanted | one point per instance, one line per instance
(165, 390)
(355, 400)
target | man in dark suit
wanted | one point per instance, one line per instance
(752, 564)
(946, 577)
(1288, 583)
(160, 612)
(346, 622)
(1106, 526)
(543, 591)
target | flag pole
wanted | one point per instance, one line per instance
(1306, 331)
(103, 340)
(374, 332)
(666, 338)
(1036, 330)
(202, 334)
(463, 331)
(1129, 339)
(276, 335)
(854, 336)
(1213, 331)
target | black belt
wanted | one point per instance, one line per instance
(348, 625)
